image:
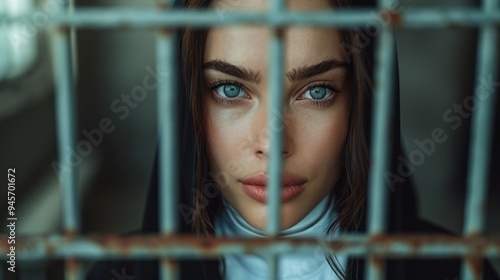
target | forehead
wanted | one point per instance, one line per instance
(248, 45)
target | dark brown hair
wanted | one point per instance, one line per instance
(349, 191)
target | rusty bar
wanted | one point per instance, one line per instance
(169, 269)
(167, 129)
(152, 18)
(481, 138)
(472, 269)
(73, 270)
(181, 246)
(381, 142)
(482, 129)
(66, 127)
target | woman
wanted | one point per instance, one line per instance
(223, 131)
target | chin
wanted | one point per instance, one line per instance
(256, 214)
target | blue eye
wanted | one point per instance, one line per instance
(230, 91)
(318, 92)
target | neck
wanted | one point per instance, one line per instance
(229, 223)
(315, 224)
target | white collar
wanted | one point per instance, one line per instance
(229, 223)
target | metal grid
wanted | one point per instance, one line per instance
(168, 245)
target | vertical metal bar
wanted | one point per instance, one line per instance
(381, 143)
(274, 122)
(275, 129)
(272, 264)
(481, 138)
(169, 269)
(73, 270)
(66, 124)
(167, 124)
(275, 132)
(380, 147)
(74, 45)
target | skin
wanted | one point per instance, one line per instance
(236, 127)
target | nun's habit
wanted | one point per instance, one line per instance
(402, 212)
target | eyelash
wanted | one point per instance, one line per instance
(220, 82)
(329, 100)
(320, 103)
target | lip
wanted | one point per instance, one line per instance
(256, 186)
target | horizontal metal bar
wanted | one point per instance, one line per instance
(155, 246)
(364, 18)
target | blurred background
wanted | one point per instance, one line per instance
(437, 73)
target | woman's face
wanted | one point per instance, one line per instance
(315, 122)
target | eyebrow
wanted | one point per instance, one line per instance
(233, 70)
(294, 75)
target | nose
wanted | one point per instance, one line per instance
(262, 131)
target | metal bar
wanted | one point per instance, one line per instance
(167, 127)
(66, 124)
(160, 246)
(272, 264)
(73, 270)
(481, 139)
(482, 129)
(275, 129)
(169, 269)
(381, 142)
(380, 147)
(133, 18)
(66, 127)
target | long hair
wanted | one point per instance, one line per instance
(349, 191)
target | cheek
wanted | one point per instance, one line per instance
(321, 138)
(225, 139)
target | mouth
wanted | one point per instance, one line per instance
(256, 187)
